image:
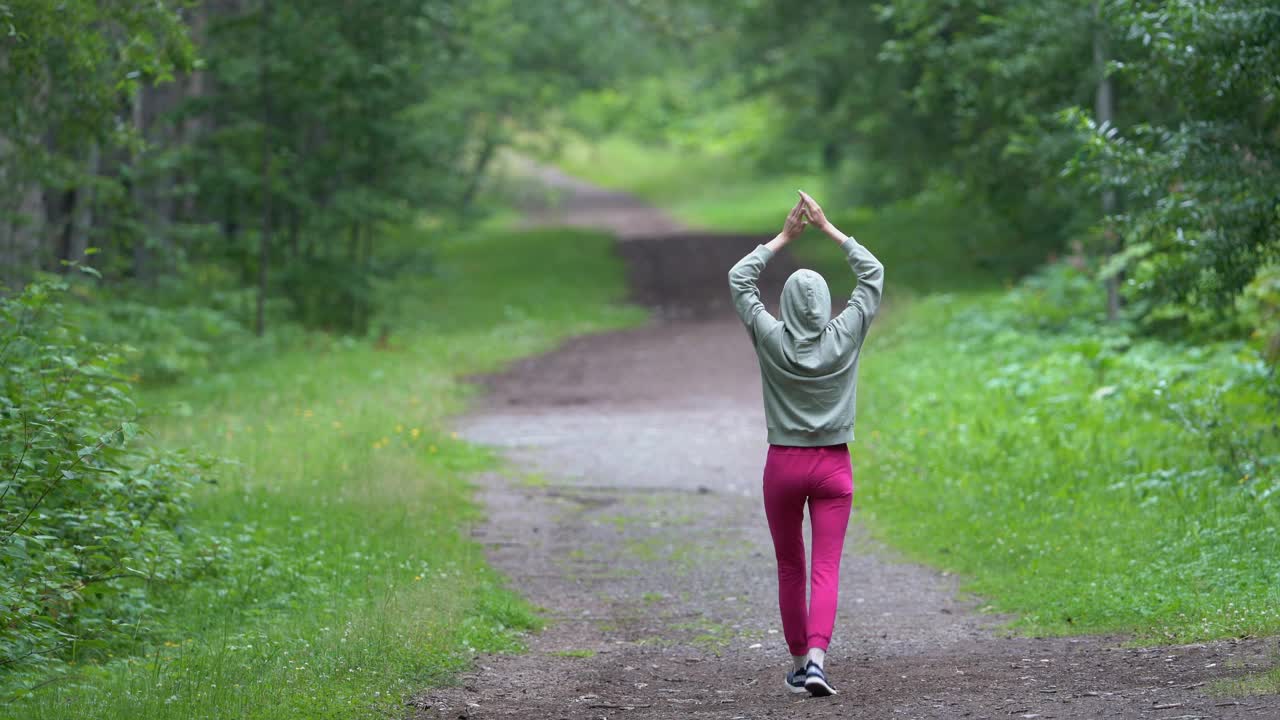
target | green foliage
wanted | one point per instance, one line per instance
(1200, 175)
(1084, 479)
(67, 65)
(1059, 297)
(276, 140)
(165, 344)
(350, 579)
(931, 240)
(1260, 310)
(91, 524)
(997, 101)
(69, 69)
(894, 99)
(706, 188)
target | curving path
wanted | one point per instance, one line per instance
(636, 521)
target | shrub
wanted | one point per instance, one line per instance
(89, 521)
(1057, 297)
(1259, 307)
(165, 344)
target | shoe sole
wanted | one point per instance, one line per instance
(795, 689)
(818, 688)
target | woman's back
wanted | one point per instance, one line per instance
(808, 360)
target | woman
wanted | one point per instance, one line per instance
(809, 369)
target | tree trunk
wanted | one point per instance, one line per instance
(22, 202)
(829, 98)
(82, 223)
(264, 244)
(25, 228)
(1104, 107)
(194, 126)
(481, 167)
(137, 192)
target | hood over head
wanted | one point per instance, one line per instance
(806, 304)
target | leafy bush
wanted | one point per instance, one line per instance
(1259, 307)
(180, 330)
(165, 343)
(1058, 296)
(1198, 174)
(89, 522)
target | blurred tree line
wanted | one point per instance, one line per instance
(1146, 132)
(269, 139)
(1149, 129)
(273, 138)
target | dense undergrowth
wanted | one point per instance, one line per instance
(342, 577)
(1085, 476)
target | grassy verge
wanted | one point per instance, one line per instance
(1082, 480)
(1082, 487)
(350, 578)
(1266, 683)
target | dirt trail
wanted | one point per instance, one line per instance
(639, 527)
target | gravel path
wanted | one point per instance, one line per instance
(635, 520)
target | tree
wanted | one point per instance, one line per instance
(1199, 171)
(66, 70)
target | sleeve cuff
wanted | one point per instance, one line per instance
(763, 251)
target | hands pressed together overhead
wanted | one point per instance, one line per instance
(806, 211)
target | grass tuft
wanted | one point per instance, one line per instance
(1264, 683)
(575, 653)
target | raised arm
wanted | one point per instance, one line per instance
(865, 300)
(744, 274)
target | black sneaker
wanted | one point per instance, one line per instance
(795, 681)
(815, 681)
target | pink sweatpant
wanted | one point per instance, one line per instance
(823, 476)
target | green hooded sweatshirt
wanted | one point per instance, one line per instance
(808, 360)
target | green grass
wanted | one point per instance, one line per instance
(575, 653)
(351, 579)
(1080, 487)
(1082, 490)
(1264, 683)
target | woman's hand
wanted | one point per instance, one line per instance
(794, 225)
(796, 222)
(814, 211)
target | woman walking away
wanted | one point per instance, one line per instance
(809, 369)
